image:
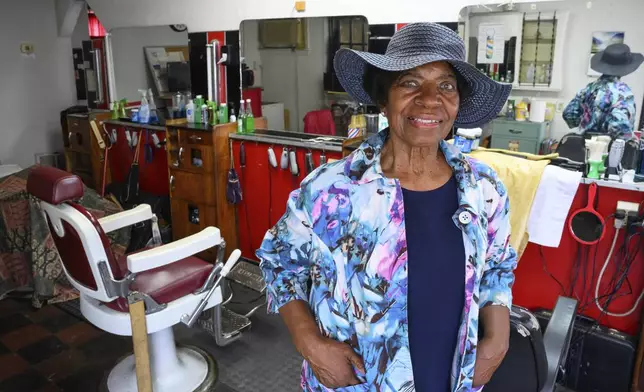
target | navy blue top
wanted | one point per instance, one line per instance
(436, 278)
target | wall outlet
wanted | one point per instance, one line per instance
(27, 48)
(628, 207)
(560, 107)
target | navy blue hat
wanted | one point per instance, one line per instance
(419, 44)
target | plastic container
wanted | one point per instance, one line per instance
(190, 111)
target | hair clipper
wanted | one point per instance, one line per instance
(284, 159)
(310, 165)
(272, 160)
(295, 170)
(323, 158)
(242, 155)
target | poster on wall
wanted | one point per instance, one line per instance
(600, 41)
(491, 43)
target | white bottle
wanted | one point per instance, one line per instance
(190, 111)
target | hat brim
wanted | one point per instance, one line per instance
(484, 102)
(597, 65)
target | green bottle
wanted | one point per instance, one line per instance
(241, 119)
(250, 119)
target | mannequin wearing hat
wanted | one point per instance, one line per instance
(607, 105)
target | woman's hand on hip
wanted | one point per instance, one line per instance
(489, 355)
(332, 362)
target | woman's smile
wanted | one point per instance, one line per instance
(424, 122)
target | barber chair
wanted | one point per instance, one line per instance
(533, 360)
(175, 286)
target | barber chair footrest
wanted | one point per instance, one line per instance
(247, 273)
(233, 323)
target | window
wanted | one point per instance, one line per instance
(538, 49)
(283, 34)
(352, 32)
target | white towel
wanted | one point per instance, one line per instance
(551, 205)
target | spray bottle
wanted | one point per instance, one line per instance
(144, 110)
(154, 116)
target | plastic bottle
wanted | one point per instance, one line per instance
(190, 111)
(223, 113)
(241, 120)
(250, 119)
(198, 102)
(204, 114)
(144, 110)
(154, 116)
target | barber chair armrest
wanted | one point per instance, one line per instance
(123, 219)
(174, 251)
(557, 338)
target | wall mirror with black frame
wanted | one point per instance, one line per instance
(155, 58)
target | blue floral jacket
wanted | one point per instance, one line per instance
(607, 105)
(344, 230)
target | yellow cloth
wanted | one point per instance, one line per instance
(521, 178)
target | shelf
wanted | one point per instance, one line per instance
(632, 186)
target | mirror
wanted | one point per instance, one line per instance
(288, 66)
(538, 48)
(154, 58)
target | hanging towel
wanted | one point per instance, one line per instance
(521, 178)
(552, 204)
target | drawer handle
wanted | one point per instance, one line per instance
(195, 138)
(512, 131)
(180, 153)
(171, 183)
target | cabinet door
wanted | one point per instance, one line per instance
(515, 144)
(196, 158)
(78, 135)
(190, 218)
(197, 188)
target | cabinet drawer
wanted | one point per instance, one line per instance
(195, 137)
(193, 187)
(516, 129)
(515, 144)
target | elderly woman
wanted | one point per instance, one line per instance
(385, 261)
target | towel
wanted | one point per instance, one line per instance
(521, 178)
(551, 205)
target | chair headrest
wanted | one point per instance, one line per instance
(54, 186)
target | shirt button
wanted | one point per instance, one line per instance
(465, 217)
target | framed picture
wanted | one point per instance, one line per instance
(602, 39)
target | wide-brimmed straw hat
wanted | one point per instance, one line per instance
(616, 60)
(418, 44)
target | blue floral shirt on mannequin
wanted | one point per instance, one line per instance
(344, 230)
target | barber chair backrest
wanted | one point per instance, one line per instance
(78, 236)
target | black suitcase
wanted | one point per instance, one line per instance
(525, 366)
(600, 359)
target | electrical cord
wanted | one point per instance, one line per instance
(625, 275)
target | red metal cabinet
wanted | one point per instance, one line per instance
(265, 190)
(153, 166)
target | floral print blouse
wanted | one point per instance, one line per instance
(607, 105)
(341, 247)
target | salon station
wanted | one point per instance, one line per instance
(149, 146)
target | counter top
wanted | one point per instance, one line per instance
(135, 125)
(294, 139)
(193, 127)
(629, 186)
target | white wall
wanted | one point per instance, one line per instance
(219, 15)
(292, 77)
(81, 31)
(605, 15)
(130, 66)
(33, 90)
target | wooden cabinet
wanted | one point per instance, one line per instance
(83, 155)
(198, 161)
(522, 136)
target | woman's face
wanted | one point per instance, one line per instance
(422, 104)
